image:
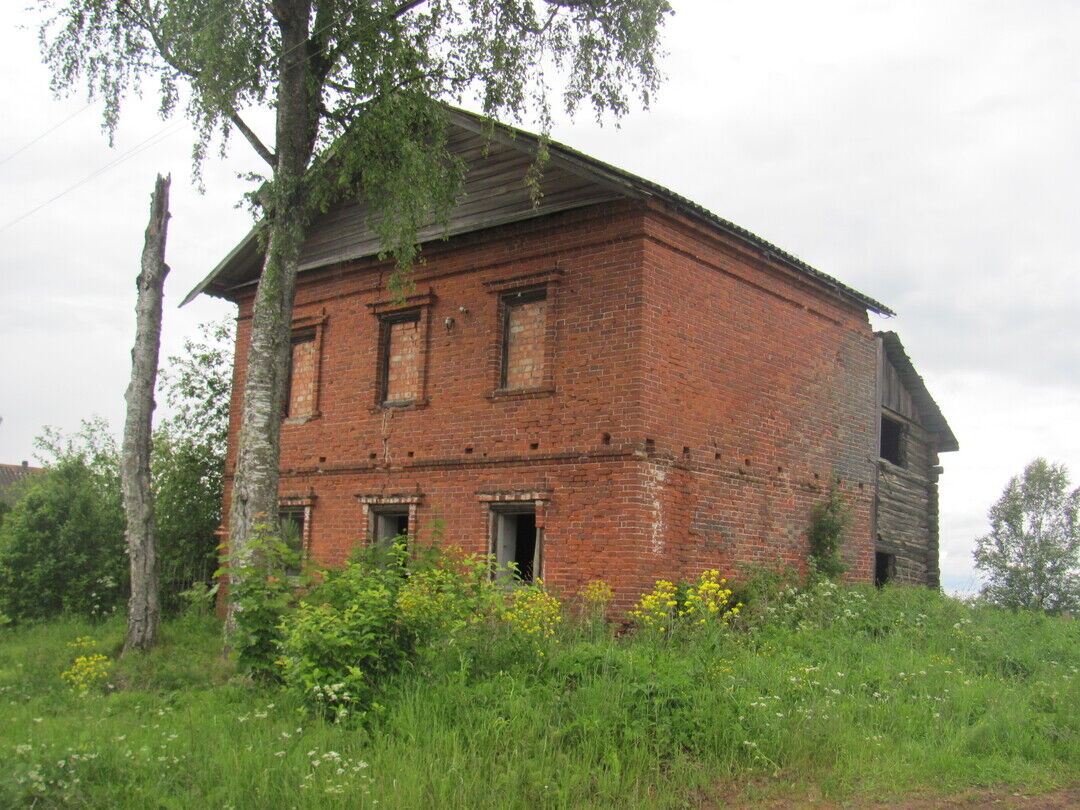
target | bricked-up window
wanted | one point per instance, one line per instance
(401, 359)
(524, 354)
(524, 339)
(892, 440)
(303, 375)
(517, 542)
(404, 332)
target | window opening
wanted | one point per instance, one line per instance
(884, 568)
(389, 524)
(524, 339)
(293, 523)
(300, 382)
(400, 370)
(517, 544)
(892, 440)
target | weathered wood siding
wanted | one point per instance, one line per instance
(907, 494)
(495, 193)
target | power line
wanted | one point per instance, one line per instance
(50, 130)
(142, 146)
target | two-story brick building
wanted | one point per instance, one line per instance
(612, 383)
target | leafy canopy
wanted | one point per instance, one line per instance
(373, 68)
(62, 544)
(1031, 557)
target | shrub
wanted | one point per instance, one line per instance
(669, 605)
(827, 523)
(62, 544)
(346, 635)
(262, 591)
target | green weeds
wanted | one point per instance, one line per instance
(862, 694)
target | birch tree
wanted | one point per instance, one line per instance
(144, 605)
(356, 88)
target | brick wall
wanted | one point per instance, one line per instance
(671, 403)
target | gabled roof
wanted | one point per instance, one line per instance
(571, 180)
(930, 415)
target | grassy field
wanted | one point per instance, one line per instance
(853, 694)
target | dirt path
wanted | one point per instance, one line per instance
(1001, 798)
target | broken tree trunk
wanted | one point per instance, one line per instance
(144, 607)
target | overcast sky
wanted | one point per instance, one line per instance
(926, 153)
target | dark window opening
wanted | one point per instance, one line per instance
(293, 523)
(517, 545)
(884, 568)
(892, 440)
(388, 525)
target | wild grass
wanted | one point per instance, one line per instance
(861, 695)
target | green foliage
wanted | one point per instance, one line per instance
(828, 520)
(62, 545)
(262, 590)
(1031, 557)
(916, 696)
(374, 72)
(342, 640)
(197, 384)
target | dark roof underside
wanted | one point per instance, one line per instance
(930, 414)
(495, 156)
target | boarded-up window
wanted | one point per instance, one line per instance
(401, 363)
(524, 339)
(300, 402)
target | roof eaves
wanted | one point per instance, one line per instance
(929, 412)
(641, 187)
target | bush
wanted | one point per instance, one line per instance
(262, 591)
(827, 523)
(62, 544)
(346, 636)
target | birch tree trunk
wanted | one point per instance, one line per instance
(144, 607)
(255, 485)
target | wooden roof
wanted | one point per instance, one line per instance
(915, 392)
(495, 194)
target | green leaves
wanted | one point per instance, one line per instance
(828, 520)
(1031, 557)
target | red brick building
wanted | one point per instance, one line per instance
(614, 383)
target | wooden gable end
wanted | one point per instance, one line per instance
(494, 193)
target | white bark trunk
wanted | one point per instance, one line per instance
(144, 607)
(255, 484)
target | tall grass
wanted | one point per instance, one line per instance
(860, 694)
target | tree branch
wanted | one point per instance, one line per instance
(406, 7)
(256, 144)
(192, 72)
